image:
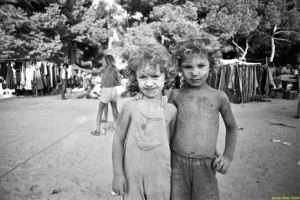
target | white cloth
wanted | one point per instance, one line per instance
(51, 74)
(23, 76)
(29, 77)
(69, 70)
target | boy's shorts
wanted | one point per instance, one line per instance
(193, 178)
(108, 95)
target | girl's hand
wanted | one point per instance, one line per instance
(119, 185)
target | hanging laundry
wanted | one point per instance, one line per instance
(222, 84)
(231, 81)
(10, 77)
(28, 76)
(3, 70)
(38, 78)
(22, 82)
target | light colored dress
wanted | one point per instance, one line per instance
(147, 155)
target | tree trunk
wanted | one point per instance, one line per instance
(273, 44)
(273, 49)
(245, 51)
(241, 49)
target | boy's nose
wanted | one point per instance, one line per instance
(195, 72)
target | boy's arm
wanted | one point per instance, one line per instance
(119, 181)
(173, 111)
(222, 163)
(171, 98)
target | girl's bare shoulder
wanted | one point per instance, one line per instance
(170, 111)
(129, 106)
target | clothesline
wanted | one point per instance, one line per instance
(21, 59)
(236, 61)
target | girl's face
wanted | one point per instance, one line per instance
(195, 69)
(150, 81)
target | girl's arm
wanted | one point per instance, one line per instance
(87, 70)
(119, 182)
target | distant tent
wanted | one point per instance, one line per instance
(239, 80)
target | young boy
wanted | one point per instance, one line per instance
(194, 161)
(141, 152)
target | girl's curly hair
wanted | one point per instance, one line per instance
(153, 54)
(196, 44)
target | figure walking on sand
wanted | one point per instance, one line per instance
(109, 79)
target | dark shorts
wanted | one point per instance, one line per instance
(193, 178)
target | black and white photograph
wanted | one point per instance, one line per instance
(149, 100)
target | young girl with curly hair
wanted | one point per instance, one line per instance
(141, 153)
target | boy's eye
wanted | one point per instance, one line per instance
(187, 67)
(155, 76)
(201, 66)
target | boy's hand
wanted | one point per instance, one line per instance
(138, 96)
(119, 185)
(221, 164)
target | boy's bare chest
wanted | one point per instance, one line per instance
(199, 105)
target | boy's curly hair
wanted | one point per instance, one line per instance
(153, 54)
(204, 43)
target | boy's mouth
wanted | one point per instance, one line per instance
(195, 79)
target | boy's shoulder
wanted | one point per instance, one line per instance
(170, 108)
(174, 94)
(170, 111)
(219, 95)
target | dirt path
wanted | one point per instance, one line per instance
(45, 144)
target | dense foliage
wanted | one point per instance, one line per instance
(246, 29)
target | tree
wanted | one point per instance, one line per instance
(230, 20)
(280, 23)
(12, 27)
(38, 29)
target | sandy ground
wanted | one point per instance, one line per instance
(46, 145)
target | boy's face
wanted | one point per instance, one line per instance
(150, 80)
(195, 69)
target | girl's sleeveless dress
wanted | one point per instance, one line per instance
(147, 155)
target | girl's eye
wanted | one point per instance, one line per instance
(142, 77)
(187, 67)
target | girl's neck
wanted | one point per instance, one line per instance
(153, 101)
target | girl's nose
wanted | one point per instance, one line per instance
(149, 82)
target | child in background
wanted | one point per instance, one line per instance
(141, 153)
(194, 160)
(298, 110)
(108, 93)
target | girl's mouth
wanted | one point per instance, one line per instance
(149, 89)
